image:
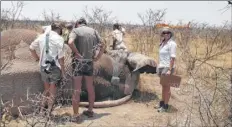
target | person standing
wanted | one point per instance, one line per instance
(167, 55)
(51, 61)
(83, 41)
(67, 32)
(117, 36)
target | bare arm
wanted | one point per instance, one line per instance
(172, 63)
(61, 56)
(172, 54)
(34, 54)
(33, 46)
(71, 44)
(101, 45)
(61, 62)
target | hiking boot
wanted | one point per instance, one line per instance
(165, 108)
(76, 119)
(161, 104)
(88, 113)
(161, 109)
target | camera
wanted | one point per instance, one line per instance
(50, 63)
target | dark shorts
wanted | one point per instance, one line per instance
(163, 71)
(52, 78)
(82, 67)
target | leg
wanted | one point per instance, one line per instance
(161, 103)
(77, 83)
(76, 94)
(163, 93)
(44, 96)
(164, 87)
(55, 77)
(162, 107)
(167, 94)
(91, 91)
(167, 90)
(88, 72)
(52, 96)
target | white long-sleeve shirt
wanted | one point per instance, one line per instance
(166, 52)
(56, 47)
(118, 35)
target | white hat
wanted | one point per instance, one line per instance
(47, 28)
(167, 29)
(123, 29)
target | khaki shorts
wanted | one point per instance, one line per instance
(164, 70)
(52, 78)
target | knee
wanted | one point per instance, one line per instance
(76, 93)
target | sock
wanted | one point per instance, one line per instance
(161, 103)
(165, 106)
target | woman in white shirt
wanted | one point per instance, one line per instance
(167, 55)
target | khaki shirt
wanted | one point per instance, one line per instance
(86, 40)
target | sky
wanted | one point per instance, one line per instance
(126, 11)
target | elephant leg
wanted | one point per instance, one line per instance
(131, 82)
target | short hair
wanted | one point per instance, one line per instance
(116, 26)
(82, 21)
(56, 25)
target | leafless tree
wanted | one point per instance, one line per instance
(51, 16)
(9, 16)
(146, 41)
(209, 80)
(151, 17)
(99, 18)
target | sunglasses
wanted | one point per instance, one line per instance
(166, 32)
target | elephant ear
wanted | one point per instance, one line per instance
(141, 63)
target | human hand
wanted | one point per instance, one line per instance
(78, 56)
(168, 73)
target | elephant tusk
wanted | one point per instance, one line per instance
(106, 104)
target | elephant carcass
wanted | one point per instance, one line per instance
(116, 75)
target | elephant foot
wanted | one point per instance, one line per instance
(106, 104)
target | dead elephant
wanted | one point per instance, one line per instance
(116, 76)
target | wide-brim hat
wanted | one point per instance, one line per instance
(167, 29)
